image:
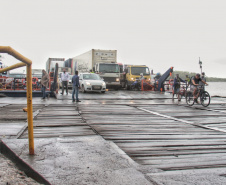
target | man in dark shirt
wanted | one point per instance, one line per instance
(75, 82)
(176, 86)
(195, 83)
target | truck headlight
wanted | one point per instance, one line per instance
(103, 84)
(117, 79)
(88, 83)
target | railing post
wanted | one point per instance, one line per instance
(28, 63)
(30, 110)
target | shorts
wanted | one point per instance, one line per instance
(193, 87)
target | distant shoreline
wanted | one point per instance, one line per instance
(183, 74)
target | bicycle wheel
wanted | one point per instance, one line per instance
(189, 98)
(205, 99)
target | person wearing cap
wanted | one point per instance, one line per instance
(195, 82)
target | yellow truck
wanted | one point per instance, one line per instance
(133, 73)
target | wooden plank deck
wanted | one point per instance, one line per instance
(168, 137)
(59, 121)
(156, 141)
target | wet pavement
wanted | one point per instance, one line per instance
(121, 137)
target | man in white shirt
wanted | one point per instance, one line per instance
(64, 80)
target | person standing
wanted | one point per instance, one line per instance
(176, 86)
(203, 78)
(44, 83)
(188, 81)
(75, 83)
(64, 80)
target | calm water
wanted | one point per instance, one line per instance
(216, 88)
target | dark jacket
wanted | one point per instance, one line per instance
(176, 82)
(75, 80)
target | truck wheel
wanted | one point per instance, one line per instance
(83, 89)
(127, 86)
(102, 91)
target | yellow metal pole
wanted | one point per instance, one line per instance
(26, 61)
(30, 110)
(12, 67)
(14, 53)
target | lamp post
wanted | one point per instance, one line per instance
(200, 64)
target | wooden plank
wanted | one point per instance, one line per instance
(175, 153)
(169, 143)
(164, 137)
(175, 160)
(44, 132)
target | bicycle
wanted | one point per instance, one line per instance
(179, 94)
(201, 94)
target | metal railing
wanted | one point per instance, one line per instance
(28, 63)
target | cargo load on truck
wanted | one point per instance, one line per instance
(102, 62)
(51, 63)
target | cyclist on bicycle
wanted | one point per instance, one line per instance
(176, 85)
(195, 82)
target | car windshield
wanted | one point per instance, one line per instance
(109, 68)
(139, 70)
(91, 76)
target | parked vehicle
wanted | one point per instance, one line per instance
(133, 73)
(91, 82)
(51, 62)
(102, 62)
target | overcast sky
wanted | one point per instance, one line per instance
(158, 33)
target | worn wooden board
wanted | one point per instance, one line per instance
(158, 141)
(46, 132)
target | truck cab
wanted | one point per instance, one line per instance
(133, 73)
(110, 73)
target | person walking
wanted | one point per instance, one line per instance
(44, 83)
(64, 80)
(75, 83)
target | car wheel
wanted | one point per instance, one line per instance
(83, 89)
(102, 91)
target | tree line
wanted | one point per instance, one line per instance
(183, 74)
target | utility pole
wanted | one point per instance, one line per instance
(200, 64)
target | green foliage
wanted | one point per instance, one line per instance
(183, 74)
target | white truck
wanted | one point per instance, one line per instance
(51, 62)
(102, 62)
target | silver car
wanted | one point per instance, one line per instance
(91, 82)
